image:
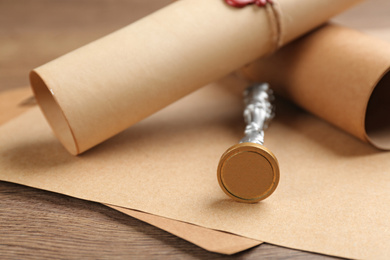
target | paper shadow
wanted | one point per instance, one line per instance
(229, 206)
(167, 128)
(321, 132)
(40, 155)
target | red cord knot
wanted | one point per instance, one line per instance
(242, 3)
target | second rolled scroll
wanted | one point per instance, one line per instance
(338, 74)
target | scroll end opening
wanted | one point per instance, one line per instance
(377, 120)
(53, 112)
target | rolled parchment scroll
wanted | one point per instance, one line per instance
(99, 90)
(338, 74)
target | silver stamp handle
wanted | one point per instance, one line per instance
(258, 112)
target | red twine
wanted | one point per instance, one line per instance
(242, 3)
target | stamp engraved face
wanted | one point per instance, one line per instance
(248, 172)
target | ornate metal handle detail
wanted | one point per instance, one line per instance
(258, 112)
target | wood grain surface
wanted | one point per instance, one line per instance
(36, 224)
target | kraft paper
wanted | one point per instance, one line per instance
(333, 195)
(338, 74)
(209, 239)
(15, 102)
(101, 89)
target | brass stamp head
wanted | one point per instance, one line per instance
(248, 172)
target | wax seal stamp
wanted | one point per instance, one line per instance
(248, 171)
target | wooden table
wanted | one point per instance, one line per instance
(40, 224)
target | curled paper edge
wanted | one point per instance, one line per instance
(55, 116)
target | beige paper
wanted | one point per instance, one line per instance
(333, 196)
(102, 88)
(209, 239)
(338, 74)
(15, 102)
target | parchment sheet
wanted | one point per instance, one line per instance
(15, 102)
(209, 239)
(333, 195)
